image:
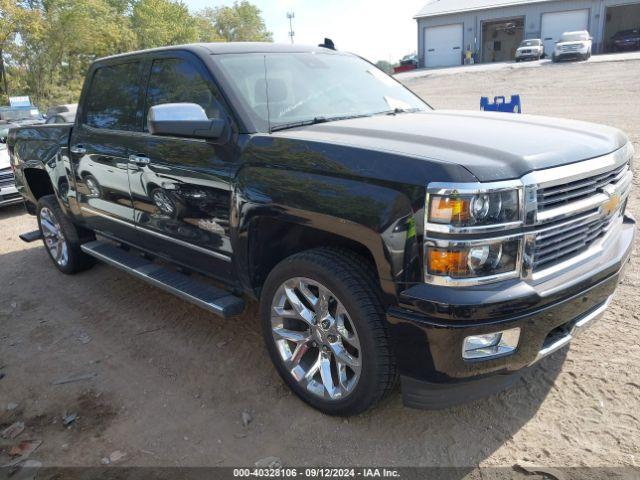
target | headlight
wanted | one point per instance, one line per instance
(471, 210)
(462, 243)
(482, 259)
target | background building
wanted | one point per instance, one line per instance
(492, 29)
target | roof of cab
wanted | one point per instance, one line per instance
(220, 48)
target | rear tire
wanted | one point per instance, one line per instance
(61, 238)
(352, 288)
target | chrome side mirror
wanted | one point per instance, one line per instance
(187, 120)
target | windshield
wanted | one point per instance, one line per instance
(283, 90)
(574, 37)
(530, 43)
(21, 114)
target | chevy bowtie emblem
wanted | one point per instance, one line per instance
(609, 207)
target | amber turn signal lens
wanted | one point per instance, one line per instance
(449, 210)
(447, 262)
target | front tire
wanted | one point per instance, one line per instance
(324, 326)
(61, 238)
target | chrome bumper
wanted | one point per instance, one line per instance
(14, 199)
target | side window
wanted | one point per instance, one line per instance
(174, 80)
(112, 100)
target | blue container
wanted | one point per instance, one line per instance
(500, 104)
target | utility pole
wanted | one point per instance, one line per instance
(291, 16)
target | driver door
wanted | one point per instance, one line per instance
(181, 187)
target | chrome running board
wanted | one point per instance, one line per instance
(206, 296)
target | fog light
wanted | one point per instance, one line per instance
(490, 345)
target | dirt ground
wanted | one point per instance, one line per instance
(166, 384)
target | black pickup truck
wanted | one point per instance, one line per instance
(382, 238)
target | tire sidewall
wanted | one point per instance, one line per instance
(359, 399)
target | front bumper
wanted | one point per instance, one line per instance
(431, 323)
(9, 195)
(570, 55)
(526, 56)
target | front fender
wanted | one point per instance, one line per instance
(377, 217)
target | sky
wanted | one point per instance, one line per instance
(374, 29)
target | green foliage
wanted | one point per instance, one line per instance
(162, 22)
(46, 46)
(240, 23)
(385, 66)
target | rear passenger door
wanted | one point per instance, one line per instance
(99, 147)
(181, 188)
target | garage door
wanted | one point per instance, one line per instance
(555, 24)
(443, 46)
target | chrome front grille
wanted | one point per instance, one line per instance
(6, 177)
(566, 193)
(572, 208)
(570, 48)
(567, 240)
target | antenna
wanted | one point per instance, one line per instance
(291, 16)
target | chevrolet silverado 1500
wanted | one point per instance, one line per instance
(382, 238)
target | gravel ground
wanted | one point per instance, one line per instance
(169, 383)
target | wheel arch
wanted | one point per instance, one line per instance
(38, 182)
(271, 240)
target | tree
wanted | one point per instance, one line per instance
(46, 46)
(73, 34)
(158, 23)
(15, 16)
(385, 66)
(241, 22)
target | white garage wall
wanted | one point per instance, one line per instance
(533, 19)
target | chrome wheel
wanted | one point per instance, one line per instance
(53, 237)
(316, 338)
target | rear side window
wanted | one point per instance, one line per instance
(112, 101)
(174, 80)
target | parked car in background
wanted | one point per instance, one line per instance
(411, 59)
(626, 40)
(532, 49)
(573, 45)
(29, 115)
(407, 63)
(62, 113)
(4, 131)
(8, 192)
(68, 115)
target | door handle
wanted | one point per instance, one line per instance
(139, 159)
(78, 149)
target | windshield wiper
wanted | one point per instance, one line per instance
(302, 123)
(396, 111)
(315, 121)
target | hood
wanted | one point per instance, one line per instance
(492, 146)
(577, 42)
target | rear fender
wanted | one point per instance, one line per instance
(43, 148)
